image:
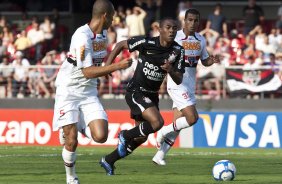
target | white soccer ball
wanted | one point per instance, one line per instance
(224, 170)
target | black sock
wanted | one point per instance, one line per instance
(141, 130)
(135, 143)
(112, 157)
(132, 145)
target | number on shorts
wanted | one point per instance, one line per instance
(185, 95)
(62, 112)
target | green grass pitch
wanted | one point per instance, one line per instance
(36, 165)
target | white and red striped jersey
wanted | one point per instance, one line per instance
(195, 49)
(88, 49)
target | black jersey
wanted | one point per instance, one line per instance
(149, 75)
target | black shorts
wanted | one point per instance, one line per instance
(138, 101)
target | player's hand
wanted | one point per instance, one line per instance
(215, 59)
(125, 63)
(167, 66)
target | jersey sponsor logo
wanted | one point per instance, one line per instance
(150, 71)
(99, 45)
(136, 43)
(152, 42)
(149, 53)
(82, 52)
(191, 45)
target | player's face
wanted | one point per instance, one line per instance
(192, 22)
(168, 30)
(109, 18)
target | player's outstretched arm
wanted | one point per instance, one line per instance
(175, 75)
(118, 48)
(98, 71)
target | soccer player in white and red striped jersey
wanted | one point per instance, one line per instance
(183, 95)
(77, 105)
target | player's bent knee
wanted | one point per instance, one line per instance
(192, 120)
(100, 138)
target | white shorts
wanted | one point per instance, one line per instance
(181, 98)
(74, 111)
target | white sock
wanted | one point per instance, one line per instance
(69, 159)
(167, 129)
(165, 147)
(179, 124)
(171, 137)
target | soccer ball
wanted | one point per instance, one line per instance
(224, 170)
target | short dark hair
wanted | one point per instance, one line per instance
(192, 11)
(165, 19)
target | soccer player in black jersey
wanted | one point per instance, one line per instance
(158, 56)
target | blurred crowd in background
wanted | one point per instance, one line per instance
(31, 49)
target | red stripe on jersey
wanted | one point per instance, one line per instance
(70, 55)
(94, 36)
(185, 38)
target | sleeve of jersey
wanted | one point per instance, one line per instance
(179, 65)
(135, 43)
(204, 54)
(83, 51)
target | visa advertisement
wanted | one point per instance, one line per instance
(238, 130)
(213, 129)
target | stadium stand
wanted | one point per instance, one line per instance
(43, 31)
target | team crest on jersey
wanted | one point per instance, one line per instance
(172, 57)
(82, 53)
(147, 100)
(192, 60)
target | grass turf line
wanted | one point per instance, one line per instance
(36, 165)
